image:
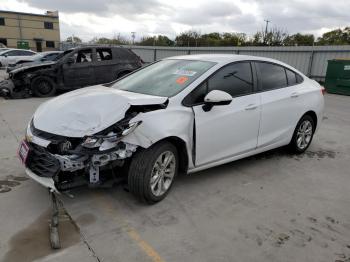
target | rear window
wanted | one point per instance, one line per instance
(123, 53)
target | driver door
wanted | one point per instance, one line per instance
(228, 130)
(81, 72)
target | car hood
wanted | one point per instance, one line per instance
(88, 110)
(31, 65)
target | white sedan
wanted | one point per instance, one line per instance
(180, 114)
(13, 55)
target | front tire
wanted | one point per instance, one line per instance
(303, 135)
(153, 171)
(43, 86)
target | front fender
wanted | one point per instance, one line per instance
(160, 124)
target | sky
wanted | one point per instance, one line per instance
(108, 18)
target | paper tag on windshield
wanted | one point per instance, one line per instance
(184, 72)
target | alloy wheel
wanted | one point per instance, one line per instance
(304, 134)
(163, 173)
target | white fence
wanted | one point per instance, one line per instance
(311, 60)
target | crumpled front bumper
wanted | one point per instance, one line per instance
(44, 181)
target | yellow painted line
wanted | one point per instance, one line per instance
(131, 232)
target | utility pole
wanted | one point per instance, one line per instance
(267, 24)
(133, 37)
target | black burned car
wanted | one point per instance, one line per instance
(75, 68)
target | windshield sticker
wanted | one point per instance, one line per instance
(184, 72)
(181, 80)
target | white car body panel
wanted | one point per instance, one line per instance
(236, 124)
(11, 59)
(249, 125)
(87, 111)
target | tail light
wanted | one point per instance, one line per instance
(323, 90)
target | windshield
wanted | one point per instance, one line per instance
(37, 56)
(62, 55)
(164, 78)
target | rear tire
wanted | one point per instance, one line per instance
(152, 172)
(303, 134)
(43, 86)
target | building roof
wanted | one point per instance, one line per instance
(22, 13)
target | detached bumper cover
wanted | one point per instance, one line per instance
(44, 181)
(6, 87)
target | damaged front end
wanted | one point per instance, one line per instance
(18, 82)
(62, 163)
(16, 86)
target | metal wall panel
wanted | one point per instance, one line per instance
(300, 57)
(310, 60)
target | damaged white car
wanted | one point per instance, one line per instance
(181, 114)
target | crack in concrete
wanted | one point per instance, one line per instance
(82, 236)
(8, 126)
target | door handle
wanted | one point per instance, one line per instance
(251, 107)
(294, 95)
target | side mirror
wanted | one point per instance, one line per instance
(216, 98)
(6, 55)
(70, 60)
(43, 59)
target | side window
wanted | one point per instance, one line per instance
(13, 53)
(291, 77)
(26, 53)
(299, 79)
(235, 79)
(2, 21)
(83, 56)
(50, 57)
(271, 76)
(103, 54)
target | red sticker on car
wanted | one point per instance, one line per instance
(181, 80)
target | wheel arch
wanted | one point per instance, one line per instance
(313, 116)
(181, 150)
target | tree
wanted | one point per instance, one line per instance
(335, 37)
(160, 40)
(233, 39)
(299, 40)
(188, 38)
(275, 37)
(75, 39)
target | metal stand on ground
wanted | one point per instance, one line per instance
(54, 237)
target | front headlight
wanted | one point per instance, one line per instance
(112, 138)
(92, 142)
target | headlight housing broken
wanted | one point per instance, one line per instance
(111, 139)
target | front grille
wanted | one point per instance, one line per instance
(41, 162)
(57, 141)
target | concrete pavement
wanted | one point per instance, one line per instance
(270, 207)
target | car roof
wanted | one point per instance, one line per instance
(223, 58)
(50, 52)
(15, 49)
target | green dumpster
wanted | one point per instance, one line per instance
(338, 76)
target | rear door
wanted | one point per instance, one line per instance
(81, 72)
(227, 130)
(104, 66)
(280, 106)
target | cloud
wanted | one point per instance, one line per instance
(110, 7)
(89, 18)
